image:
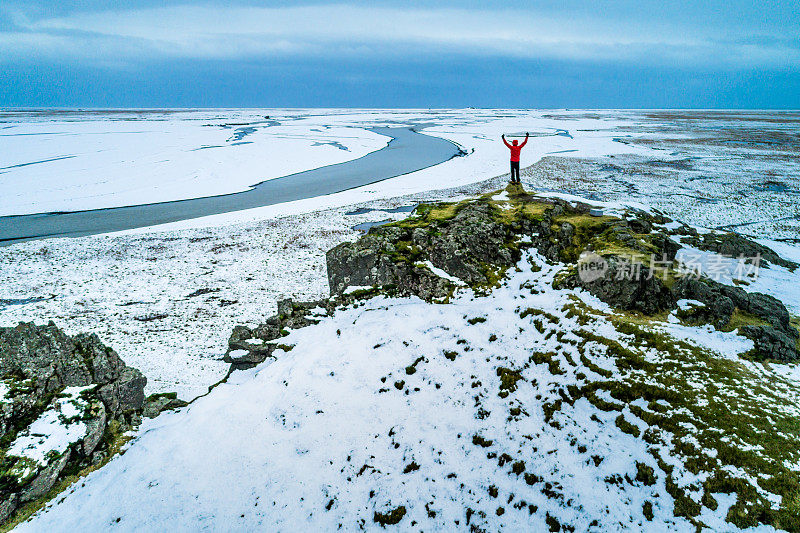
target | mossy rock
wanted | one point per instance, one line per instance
(391, 517)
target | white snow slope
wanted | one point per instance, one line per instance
(378, 407)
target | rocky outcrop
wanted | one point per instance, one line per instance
(774, 336)
(773, 344)
(155, 404)
(52, 360)
(467, 245)
(644, 292)
(717, 308)
(48, 378)
(248, 347)
(368, 264)
(477, 240)
(735, 245)
(474, 241)
(721, 301)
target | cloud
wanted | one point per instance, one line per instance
(336, 31)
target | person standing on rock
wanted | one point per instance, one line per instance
(515, 148)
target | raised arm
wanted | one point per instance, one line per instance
(505, 141)
(525, 141)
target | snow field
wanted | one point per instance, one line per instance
(386, 404)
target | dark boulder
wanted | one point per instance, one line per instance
(718, 306)
(735, 245)
(126, 393)
(774, 337)
(156, 404)
(665, 247)
(773, 344)
(623, 285)
(53, 360)
(393, 257)
(639, 225)
(37, 365)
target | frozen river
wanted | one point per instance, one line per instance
(408, 151)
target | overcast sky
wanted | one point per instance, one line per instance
(567, 53)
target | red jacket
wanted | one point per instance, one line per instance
(515, 150)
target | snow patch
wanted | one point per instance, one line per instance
(354, 288)
(442, 274)
(687, 304)
(55, 430)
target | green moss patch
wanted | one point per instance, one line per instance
(712, 412)
(626, 426)
(606, 236)
(741, 318)
(426, 214)
(159, 395)
(508, 380)
(520, 205)
(390, 518)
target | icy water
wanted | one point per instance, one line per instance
(365, 210)
(408, 151)
(365, 226)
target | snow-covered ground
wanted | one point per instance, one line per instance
(368, 413)
(334, 430)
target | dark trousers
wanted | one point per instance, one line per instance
(515, 171)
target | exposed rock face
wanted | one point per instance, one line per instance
(463, 246)
(366, 263)
(772, 343)
(776, 339)
(45, 479)
(158, 403)
(644, 292)
(718, 308)
(735, 245)
(54, 360)
(479, 240)
(248, 347)
(469, 242)
(38, 366)
(722, 300)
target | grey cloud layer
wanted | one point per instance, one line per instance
(345, 30)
